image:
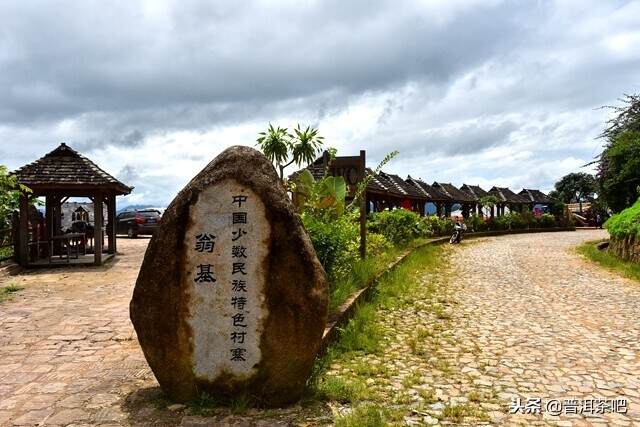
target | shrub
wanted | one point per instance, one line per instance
(625, 223)
(476, 223)
(377, 244)
(438, 226)
(335, 241)
(399, 226)
(547, 221)
(502, 222)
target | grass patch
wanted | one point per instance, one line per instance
(8, 292)
(611, 262)
(363, 416)
(365, 334)
(340, 390)
(456, 414)
(362, 272)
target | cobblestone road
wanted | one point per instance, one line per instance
(548, 324)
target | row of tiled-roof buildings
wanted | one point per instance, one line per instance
(389, 191)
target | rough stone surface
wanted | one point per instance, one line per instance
(184, 321)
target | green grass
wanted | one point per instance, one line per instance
(363, 416)
(610, 261)
(362, 272)
(364, 334)
(7, 292)
(456, 414)
(343, 391)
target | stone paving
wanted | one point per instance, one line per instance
(548, 324)
(544, 323)
(518, 315)
(67, 348)
(515, 316)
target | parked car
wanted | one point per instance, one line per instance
(138, 222)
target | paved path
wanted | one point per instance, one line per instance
(523, 315)
(68, 352)
(548, 324)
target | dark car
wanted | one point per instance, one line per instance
(138, 222)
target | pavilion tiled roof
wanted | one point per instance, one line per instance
(65, 168)
(474, 191)
(430, 193)
(400, 186)
(535, 196)
(451, 191)
(504, 194)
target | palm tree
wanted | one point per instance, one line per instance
(275, 143)
(306, 146)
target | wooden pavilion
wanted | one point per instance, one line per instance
(535, 197)
(457, 197)
(476, 193)
(59, 175)
(431, 194)
(507, 198)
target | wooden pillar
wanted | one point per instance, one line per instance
(493, 211)
(97, 227)
(363, 208)
(49, 204)
(111, 223)
(447, 210)
(23, 231)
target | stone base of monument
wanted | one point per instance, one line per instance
(231, 299)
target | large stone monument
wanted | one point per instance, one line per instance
(231, 298)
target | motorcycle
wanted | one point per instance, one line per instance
(458, 230)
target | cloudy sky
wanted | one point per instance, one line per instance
(482, 92)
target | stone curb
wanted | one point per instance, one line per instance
(344, 313)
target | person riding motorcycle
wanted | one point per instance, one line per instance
(459, 227)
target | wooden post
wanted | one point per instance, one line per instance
(23, 231)
(363, 209)
(111, 223)
(97, 227)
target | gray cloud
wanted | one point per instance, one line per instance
(443, 80)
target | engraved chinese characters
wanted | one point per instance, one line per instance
(231, 298)
(226, 255)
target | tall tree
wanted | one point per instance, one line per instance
(619, 164)
(576, 187)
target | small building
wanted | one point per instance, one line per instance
(59, 175)
(78, 211)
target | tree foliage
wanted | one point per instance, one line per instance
(576, 187)
(278, 145)
(10, 190)
(618, 166)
